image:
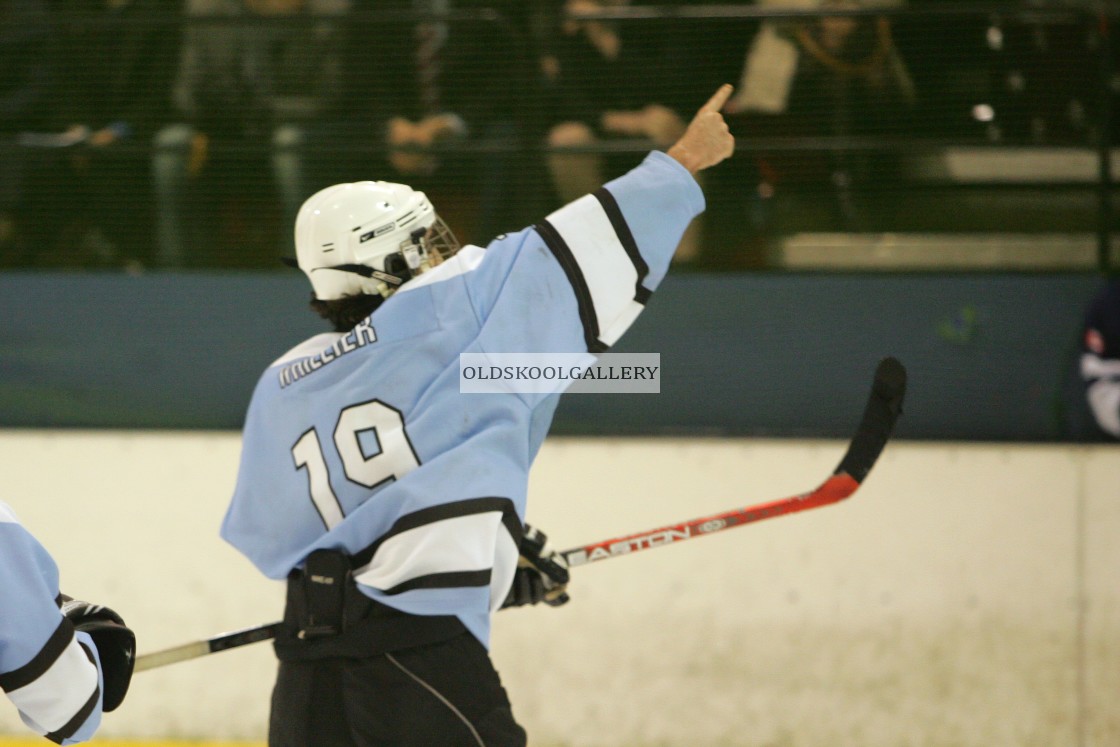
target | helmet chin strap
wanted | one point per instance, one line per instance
(381, 283)
(367, 272)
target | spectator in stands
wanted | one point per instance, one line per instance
(1100, 359)
(116, 59)
(25, 78)
(599, 84)
(440, 76)
(830, 76)
(605, 80)
(254, 81)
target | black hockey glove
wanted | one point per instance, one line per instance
(115, 641)
(542, 575)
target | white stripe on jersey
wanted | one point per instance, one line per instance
(506, 555)
(7, 515)
(434, 548)
(607, 269)
(610, 334)
(60, 692)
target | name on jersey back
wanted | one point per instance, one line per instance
(356, 338)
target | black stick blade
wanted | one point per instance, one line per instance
(244, 637)
(879, 417)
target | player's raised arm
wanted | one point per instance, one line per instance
(708, 140)
(610, 248)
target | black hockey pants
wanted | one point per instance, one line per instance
(382, 678)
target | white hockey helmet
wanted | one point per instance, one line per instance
(368, 238)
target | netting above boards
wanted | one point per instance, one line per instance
(142, 136)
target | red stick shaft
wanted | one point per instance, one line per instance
(836, 488)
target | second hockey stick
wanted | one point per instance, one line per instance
(884, 405)
(195, 649)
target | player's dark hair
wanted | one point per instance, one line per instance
(345, 313)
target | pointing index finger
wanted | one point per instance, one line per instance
(716, 102)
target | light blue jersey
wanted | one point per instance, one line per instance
(338, 427)
(47, 669)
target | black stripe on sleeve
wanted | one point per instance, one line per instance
(42, 661)
(83, 713)
(448, 580)
(445, 511)
(513, 526)
(626, 238)
(559, 248)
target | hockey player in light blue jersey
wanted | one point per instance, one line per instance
(62, 661)
(394, 504)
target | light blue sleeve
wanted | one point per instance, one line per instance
(576, 281)
(49, 672)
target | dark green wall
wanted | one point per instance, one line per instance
(784, 355)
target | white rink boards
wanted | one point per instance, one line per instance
(965, 596)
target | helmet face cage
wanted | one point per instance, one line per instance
(421, 251)
(441, 241)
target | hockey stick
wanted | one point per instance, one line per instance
(879, 416)
(213, 645)
(884, 405)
